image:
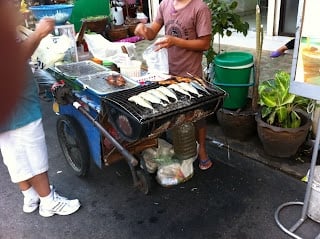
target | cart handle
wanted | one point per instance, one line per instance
(132, 161)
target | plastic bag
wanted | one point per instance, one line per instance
(170, 170)
(157, 61)
(103, 49)
(154, 157)
(175, 173)
(51, 50)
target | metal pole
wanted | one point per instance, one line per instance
(307, 194)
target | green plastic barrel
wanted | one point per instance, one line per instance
(232, 73)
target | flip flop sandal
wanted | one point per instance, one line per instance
(205, 164)
(275, 54)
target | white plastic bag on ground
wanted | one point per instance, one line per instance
(170, 171)
(154, 157)
(170, 174)
(175, 173)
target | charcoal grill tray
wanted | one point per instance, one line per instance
(145, 120)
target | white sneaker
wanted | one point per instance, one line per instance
(60, 206)
(30, 204)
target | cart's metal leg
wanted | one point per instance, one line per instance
(307, 194)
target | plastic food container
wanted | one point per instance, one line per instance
(79, 69)
(98, 85)
(131, 68)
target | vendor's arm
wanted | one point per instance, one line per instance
(199, 44)
(148, 33)
(43, 28)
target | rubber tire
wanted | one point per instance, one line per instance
(144, 181)
(73, 144)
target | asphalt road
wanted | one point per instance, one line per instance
(236, 199)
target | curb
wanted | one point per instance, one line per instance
(296, 167)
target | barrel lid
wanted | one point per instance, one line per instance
(233, 59)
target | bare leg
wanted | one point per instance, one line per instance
(201, 129)
(40, 183)
(281, 50)
(201, 138)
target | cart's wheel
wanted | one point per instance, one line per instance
(144, 181)
(73, 144)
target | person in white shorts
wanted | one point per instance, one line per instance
(22, 139)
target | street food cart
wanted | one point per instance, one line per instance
(100, 120)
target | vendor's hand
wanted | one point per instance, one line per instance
(164, 42)
(45, 26)
(141, 30)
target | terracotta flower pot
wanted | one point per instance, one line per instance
(237, 125)
(282, 142)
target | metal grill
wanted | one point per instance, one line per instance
(144, 121)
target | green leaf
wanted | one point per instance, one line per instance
(278, 104)
(295, 120)
(233, 5)
(288, 99)
(265, 111)
(268, 101)
(281, 114)
(225, 20)
(271, 118)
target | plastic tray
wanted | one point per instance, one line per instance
(69, 81)
(98, 85)
(80, 69)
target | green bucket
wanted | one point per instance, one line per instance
(232, 73)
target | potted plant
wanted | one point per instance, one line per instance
(240, 123)
(224, 20)
(283, 123)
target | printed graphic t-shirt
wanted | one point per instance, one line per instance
(191, 22)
